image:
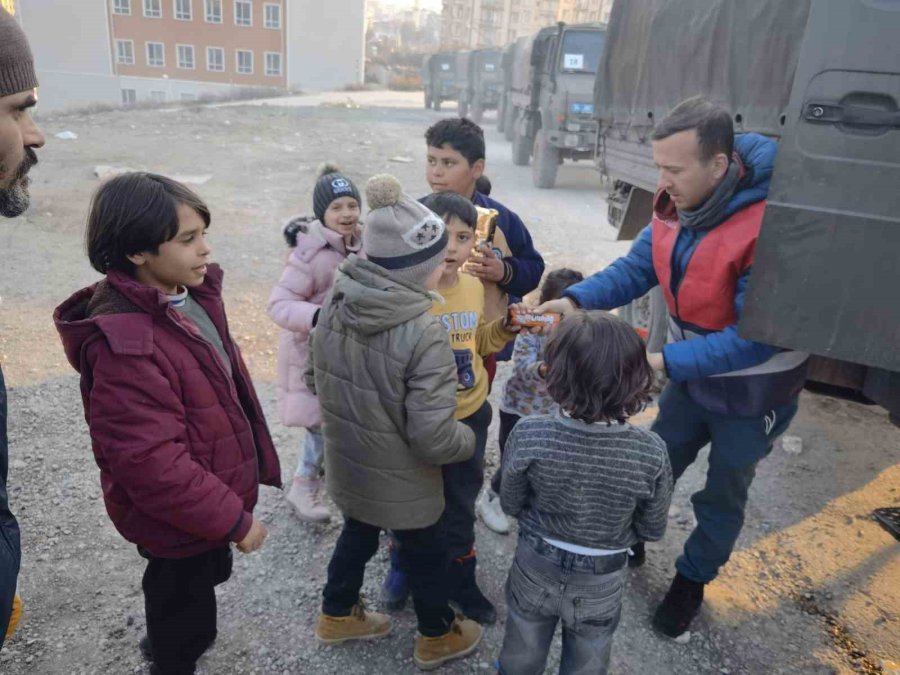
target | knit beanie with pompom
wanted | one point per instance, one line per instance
(401, 235)
(331, 185)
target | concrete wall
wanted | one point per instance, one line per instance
(325, 43)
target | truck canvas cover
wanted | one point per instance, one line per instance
(737, 53)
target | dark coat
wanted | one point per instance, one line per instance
(181, 445)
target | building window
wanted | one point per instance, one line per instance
(215, 59)
(158, 96)
(185, 56)
(153, 9)
(273, 16)
(122, 7)
(243, 13)
(155, 54)
(273, 64)
(183, 10)
(213, 11)
(125, 52)
(129, 97)
(244, 62)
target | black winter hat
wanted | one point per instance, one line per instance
(332, 184)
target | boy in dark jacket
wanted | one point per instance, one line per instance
(176, 426)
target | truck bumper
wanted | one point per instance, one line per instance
(576, 141)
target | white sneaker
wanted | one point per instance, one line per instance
(488, 508)
(306, 496)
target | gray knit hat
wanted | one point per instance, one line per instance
(401, 235)
(332, 185)
(16, 63)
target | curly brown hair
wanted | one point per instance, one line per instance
(597, 368)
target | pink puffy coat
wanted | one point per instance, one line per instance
(306, 280)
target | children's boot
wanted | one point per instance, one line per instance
(492, 515)
(306, 496)
(465, 594)
(360, 625)
(395, 588)
(461, 640)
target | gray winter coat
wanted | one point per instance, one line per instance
(385, 376)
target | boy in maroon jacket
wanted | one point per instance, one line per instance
(176, 426)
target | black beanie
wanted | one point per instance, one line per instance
(332, 184)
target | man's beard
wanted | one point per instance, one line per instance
(14, 199)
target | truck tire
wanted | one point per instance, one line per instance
(476, 114)
(509, 122)
(521, 149)
(546, 162)
(427, 101)
(437, 105)
(463, 107)
(650, 314)
(501, 115)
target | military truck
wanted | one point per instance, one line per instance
(439, 79)
(512, 55)
(551, 98)
(821, 76)
(481, 84)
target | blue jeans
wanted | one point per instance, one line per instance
(312, 455)
(737, 446)
(547, 584)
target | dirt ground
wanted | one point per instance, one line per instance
(812, 586)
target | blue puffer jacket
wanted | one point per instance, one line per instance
(633, 275)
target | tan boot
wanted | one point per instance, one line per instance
(306, 496)
(360, 625)
(461, 640)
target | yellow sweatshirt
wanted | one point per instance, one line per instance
(462, 315)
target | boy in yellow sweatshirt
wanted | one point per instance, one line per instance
(471, 338)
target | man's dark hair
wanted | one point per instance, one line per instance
(135, 213)
(715, 130)
(557, 282)
(597, 368)
(461, 134)
(449, 204)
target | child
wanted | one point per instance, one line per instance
(318, 248)
(455, 162)
(585, 485)
(385, 376)
(525, 393)
(176, 426)
(462, 315)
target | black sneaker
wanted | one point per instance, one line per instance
(465, 594)
(682, 603)
(637, 556)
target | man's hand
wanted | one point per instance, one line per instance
(656, 361)
(255, 537)
(562, 307)
(487, 266)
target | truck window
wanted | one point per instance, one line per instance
(581, 51)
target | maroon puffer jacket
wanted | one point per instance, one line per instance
(181, 446)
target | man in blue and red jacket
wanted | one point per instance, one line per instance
(733, 393)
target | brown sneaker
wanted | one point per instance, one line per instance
(461, 640)
(360, 625)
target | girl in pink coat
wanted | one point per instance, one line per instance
(318, 247)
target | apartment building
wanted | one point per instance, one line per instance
(471, 24)
(128, 51)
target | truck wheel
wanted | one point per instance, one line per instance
(477, 113)
(649, 313)
(501, 116)
(427, 101)
(546, 162)
(463, 108)
(521, 149)
(509, 122)
(437, 105)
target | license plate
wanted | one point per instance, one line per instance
(583, 108)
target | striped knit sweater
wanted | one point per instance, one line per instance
(593, 485)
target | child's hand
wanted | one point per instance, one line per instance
(255, 537)
(508, 323)
(487, 266)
